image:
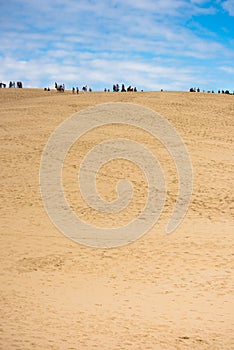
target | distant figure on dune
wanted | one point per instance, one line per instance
(116, 88)
(11, 84)
(123, 88)
(60, 88)
(19, 84)
(192, 89)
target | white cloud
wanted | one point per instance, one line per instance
(228, 5)
(229, 70)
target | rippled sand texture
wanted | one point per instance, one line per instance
(160, 292)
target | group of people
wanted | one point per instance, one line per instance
(116, 88)
(227, 92)
(19, 84)
(59, 87)
(84, 89)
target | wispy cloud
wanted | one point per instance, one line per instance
(228, 5)
(229, 70)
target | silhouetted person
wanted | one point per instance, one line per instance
(123, 88)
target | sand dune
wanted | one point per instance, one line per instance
(160, 292)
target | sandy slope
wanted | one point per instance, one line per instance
(160, 292)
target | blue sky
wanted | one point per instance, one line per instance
(151, 44)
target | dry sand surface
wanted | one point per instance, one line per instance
(159, 292)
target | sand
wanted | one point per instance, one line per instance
(159, 292)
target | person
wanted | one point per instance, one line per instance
(77, 90)
(123, 88)
(73, 90)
